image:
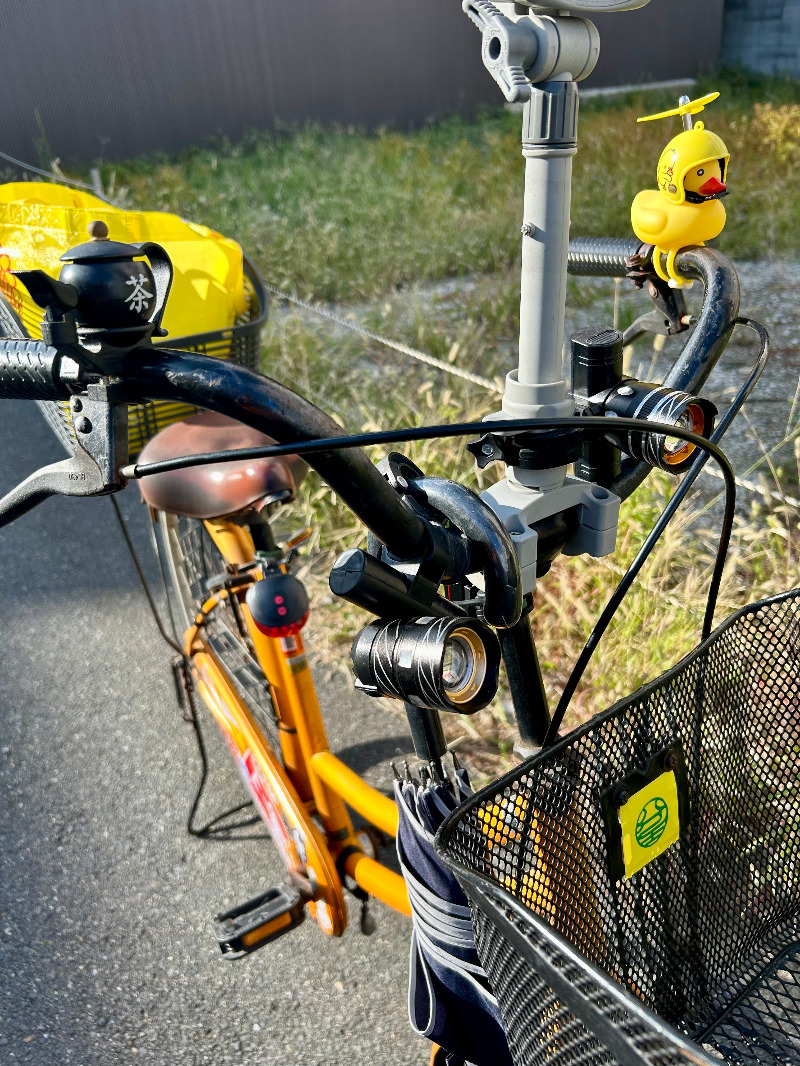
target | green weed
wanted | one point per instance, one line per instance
(387, 217)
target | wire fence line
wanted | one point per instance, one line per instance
(397, 346)
(476, 379)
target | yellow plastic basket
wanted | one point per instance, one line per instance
(218, 303)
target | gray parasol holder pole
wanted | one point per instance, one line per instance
(538, 59)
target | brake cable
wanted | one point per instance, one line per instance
(185, 693)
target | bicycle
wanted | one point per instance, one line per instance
(38, 370)
(434, 652)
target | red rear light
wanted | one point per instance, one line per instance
(282, 631)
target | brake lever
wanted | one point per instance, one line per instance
(669, 316)
(101, 438)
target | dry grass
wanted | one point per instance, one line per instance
(660, 620)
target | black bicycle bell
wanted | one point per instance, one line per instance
(115, 291)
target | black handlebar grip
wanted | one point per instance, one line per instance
(29, 371)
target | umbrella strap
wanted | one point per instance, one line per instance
(431, 949)
(457, 910)
(418, 961)
(438, 915)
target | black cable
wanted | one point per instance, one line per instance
(154, 610)
(400, 436)
(644, 552)
(210, 828)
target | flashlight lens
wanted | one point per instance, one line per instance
(672, 444)
(458, 663)
(676, 451)
(450, 664)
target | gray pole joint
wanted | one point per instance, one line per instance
(507, 48)
(524, 51)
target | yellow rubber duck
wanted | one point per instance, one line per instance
(685, 209)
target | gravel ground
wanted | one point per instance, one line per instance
(105, 951)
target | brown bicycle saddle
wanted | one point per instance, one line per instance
(221, 488)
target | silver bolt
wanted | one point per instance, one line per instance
(402, 484)
(487, 449)
(625, 390)
(528, 229)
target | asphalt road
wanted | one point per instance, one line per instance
(105, 951)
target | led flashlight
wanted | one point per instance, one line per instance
(450, 664)
(657, 403)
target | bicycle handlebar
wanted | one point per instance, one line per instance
(29, 370)
(32, 370)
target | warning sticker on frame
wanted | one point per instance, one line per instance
(650, 822)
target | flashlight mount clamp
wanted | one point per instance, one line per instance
(535, 449)
(466, 537)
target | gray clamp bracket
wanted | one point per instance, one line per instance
(518, 508)
(533, 49)
(508, 49)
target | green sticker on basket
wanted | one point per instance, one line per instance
(649, 822)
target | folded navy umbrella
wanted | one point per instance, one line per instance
(449, 999)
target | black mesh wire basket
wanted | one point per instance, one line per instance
(240, 343)
(636, 887)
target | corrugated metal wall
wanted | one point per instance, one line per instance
(763, 35)
(91, 79)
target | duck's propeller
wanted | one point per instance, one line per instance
(685, 107)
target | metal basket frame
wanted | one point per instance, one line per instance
(704, 941)
(622, 1024)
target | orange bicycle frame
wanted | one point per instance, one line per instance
(303, 792)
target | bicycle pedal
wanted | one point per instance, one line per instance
(259, 921)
